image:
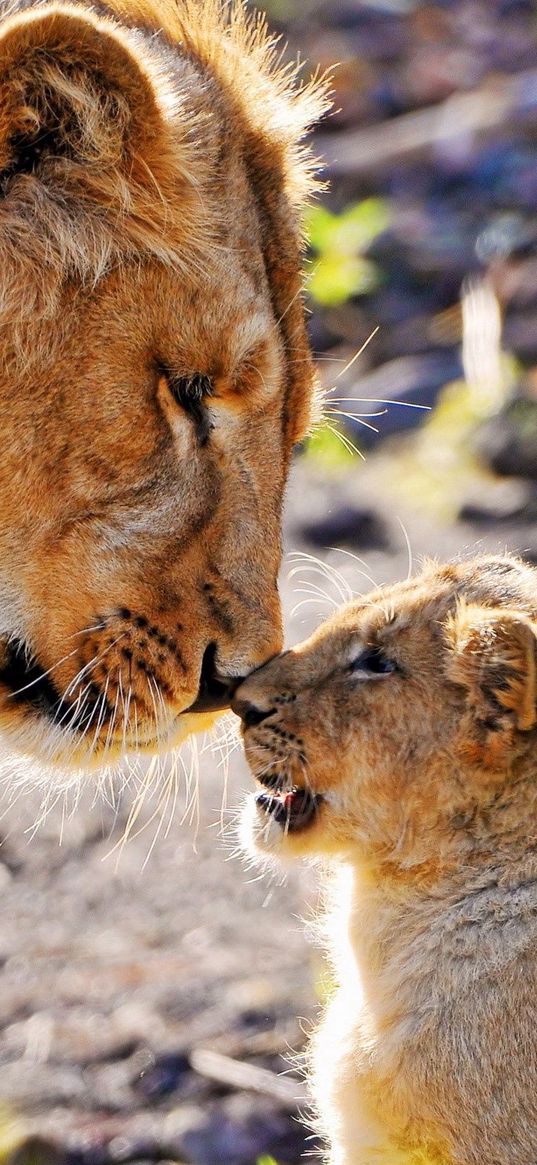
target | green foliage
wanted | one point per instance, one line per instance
(266, 1161)
(438, 467)
(10, 1134)
(352, 230)
(286, 10)
(339, 269)
(330, 449)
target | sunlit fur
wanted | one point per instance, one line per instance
(152, 173)
(428, 778)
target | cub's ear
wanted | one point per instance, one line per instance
(91, 150)
(493, 656)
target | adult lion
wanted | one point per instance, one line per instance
(155, 365)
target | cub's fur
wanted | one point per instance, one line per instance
(400, 742)
(155, 369)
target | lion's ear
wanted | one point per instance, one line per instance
(493, 656)
(87, 127)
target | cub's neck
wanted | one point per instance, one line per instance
(397, 940)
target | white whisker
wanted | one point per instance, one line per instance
(408, 547)
(354, 417)
(357, 354)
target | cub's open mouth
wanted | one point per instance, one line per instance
(293, 809)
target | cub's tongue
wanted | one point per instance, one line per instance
(292, 810)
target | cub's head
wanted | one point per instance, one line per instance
(154, 366)
(402, 732)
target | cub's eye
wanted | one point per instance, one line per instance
(372, 661)
(191, 393)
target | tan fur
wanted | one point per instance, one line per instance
(151, 179)
(428, 778)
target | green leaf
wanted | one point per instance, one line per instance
(339, 240)
(321, 228)
(349, 232)
(363, 221)
(266, 1161)
(335, 278)
(329, 450)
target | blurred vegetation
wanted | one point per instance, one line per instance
(330, 448)
(420, 199)
(338, 269)
(437, 469)
(10, 1135)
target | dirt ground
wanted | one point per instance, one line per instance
(122, 968)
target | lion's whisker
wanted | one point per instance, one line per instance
(357, 354)
(354, 417)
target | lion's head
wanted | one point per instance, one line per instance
(155, 370)
(401, 735)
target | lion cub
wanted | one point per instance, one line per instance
(401, 741)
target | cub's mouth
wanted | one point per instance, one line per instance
(293, 809)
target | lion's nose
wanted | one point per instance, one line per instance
(215, 690)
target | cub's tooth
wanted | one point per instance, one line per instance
(274, 806)
(267, 802)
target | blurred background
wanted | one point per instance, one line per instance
(152, 989)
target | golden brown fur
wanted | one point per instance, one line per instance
(411, 716)
(155, 364)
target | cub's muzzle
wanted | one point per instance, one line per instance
(293, 810)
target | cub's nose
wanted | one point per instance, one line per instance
(215, 690)
(250, 713)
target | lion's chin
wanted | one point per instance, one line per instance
(38, 745)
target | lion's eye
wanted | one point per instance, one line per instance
(372, 661)
(191, 393)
